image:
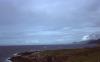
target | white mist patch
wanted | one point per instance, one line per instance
(86, 37)
(92, 36)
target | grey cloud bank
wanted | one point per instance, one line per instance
(47, 21)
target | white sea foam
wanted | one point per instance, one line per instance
(7, 60)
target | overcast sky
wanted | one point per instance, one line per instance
(47, 21)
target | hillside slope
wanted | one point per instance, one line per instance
(63, 55)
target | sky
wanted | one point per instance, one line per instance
(37, 22)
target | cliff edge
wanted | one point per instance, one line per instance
(63, 55)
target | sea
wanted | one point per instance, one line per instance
(8, 51)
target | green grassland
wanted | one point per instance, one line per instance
(75, 55)
(60, 55)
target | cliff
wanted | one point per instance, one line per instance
(63, 55)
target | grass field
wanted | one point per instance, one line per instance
(61, 55)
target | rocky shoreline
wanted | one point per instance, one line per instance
(36, 57)
(63, 55)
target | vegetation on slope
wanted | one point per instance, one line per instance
(64, 55)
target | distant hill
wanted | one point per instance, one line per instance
(87, 43)
(97, 41)
(94, 41)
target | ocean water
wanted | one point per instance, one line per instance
(8, 51)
